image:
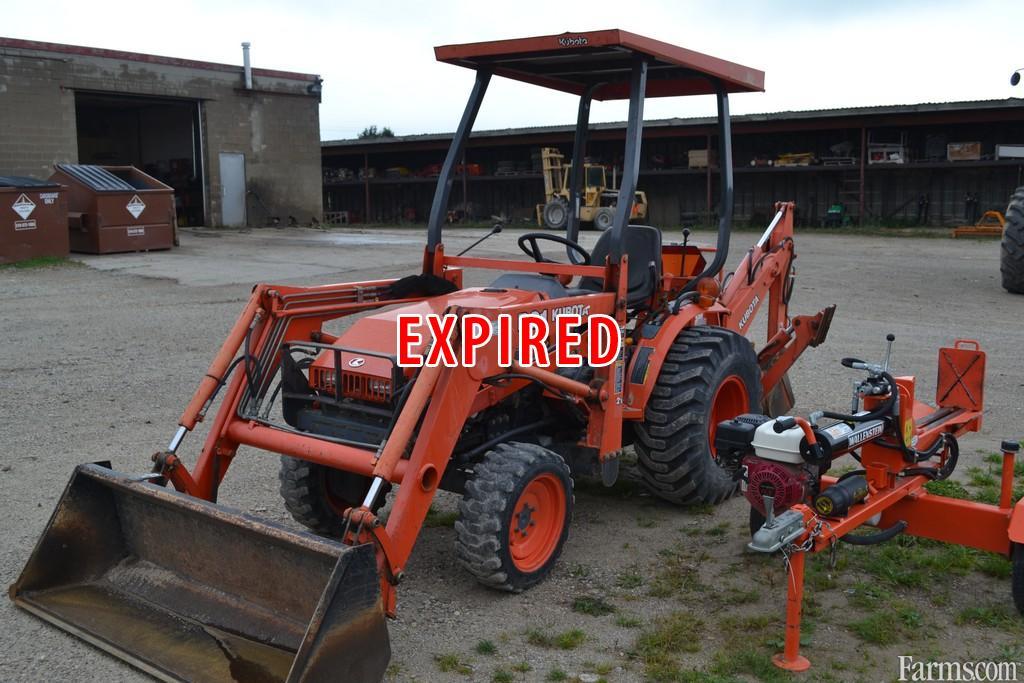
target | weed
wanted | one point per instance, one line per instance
(948, 488)
(556, 675)
(522, 667)
(595, 607)
(995, 616)
(567, 640)
(980, 477)
(994, 565)
(676, 576)
(746, 660)
(452, 663)
(646, 522)
(570, 640)
(501, 676)
(485, 647)
(628, 621)
(629, 579)
(659, 646)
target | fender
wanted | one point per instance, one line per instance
(1016, 529)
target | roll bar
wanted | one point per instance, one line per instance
(630, 171)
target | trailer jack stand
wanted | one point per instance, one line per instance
(790, 658)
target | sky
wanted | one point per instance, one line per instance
(377, 61)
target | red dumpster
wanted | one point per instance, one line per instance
(116, 208)
(33, 219)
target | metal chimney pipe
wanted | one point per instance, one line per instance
(247, 66)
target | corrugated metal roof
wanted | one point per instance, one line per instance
(801, 115)
(96, 177)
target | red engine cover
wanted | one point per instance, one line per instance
(787, 484)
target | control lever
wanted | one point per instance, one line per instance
(890, 338)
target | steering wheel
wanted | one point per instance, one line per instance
(528, 243)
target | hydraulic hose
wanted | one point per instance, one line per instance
(874, 539)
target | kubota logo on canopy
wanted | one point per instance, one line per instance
(573, 41)
(535, 340)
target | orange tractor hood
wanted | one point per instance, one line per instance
(378, 332)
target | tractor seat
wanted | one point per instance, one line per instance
(642, 244)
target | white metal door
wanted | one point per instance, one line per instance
(232, 189)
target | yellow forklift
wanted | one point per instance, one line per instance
(596, 201)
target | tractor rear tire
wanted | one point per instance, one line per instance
(555, 214)
(1018, 577)
(1012, 262)
(710, 374)
(317, 496)
(604, 218)
(514, 516)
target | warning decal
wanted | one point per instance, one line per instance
(23, 206)
(25, 225)
(136, 232)
(136, 206)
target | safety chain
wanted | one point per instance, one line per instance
(808, 545)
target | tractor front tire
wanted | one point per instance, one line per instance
(709, 375)
(514, 516)
(317, 496)
(555, 214)
(1012, 262)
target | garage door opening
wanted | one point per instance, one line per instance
(161, 136)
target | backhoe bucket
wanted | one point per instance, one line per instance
(188, 591)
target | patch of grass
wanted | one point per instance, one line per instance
(948, 488)
(910, 562)
(570, 640)
(393, 670)
(628, 621)
(737, 596)
(646, 522)
(993, 616)
(39, 262)
(436, 518)
(901, 622)
(980, 477)
(567, 640)
(485, 647)
(676, 576)
(450, 662)
(746, 660)
(629, 579)
(869, 596)
(659, 646)
(522, 667)
(994, 565)
(556, 675)
(595, 607)
(501, 676)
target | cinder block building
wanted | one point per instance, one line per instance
(239, 146)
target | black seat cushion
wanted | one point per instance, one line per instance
(642, 244)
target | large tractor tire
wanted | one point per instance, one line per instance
(1012, 262)
(710, 375)
(1017, 576)
(514, 516)
(604, 218)
(555, 214)
(317, 496)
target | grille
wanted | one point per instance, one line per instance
(353, 385)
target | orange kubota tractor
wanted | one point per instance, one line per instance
(149, 568)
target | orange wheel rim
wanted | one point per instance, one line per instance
(730, 399)
(536, 525)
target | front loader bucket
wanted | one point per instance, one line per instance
(188, 591)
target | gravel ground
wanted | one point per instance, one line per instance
(98, 359)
